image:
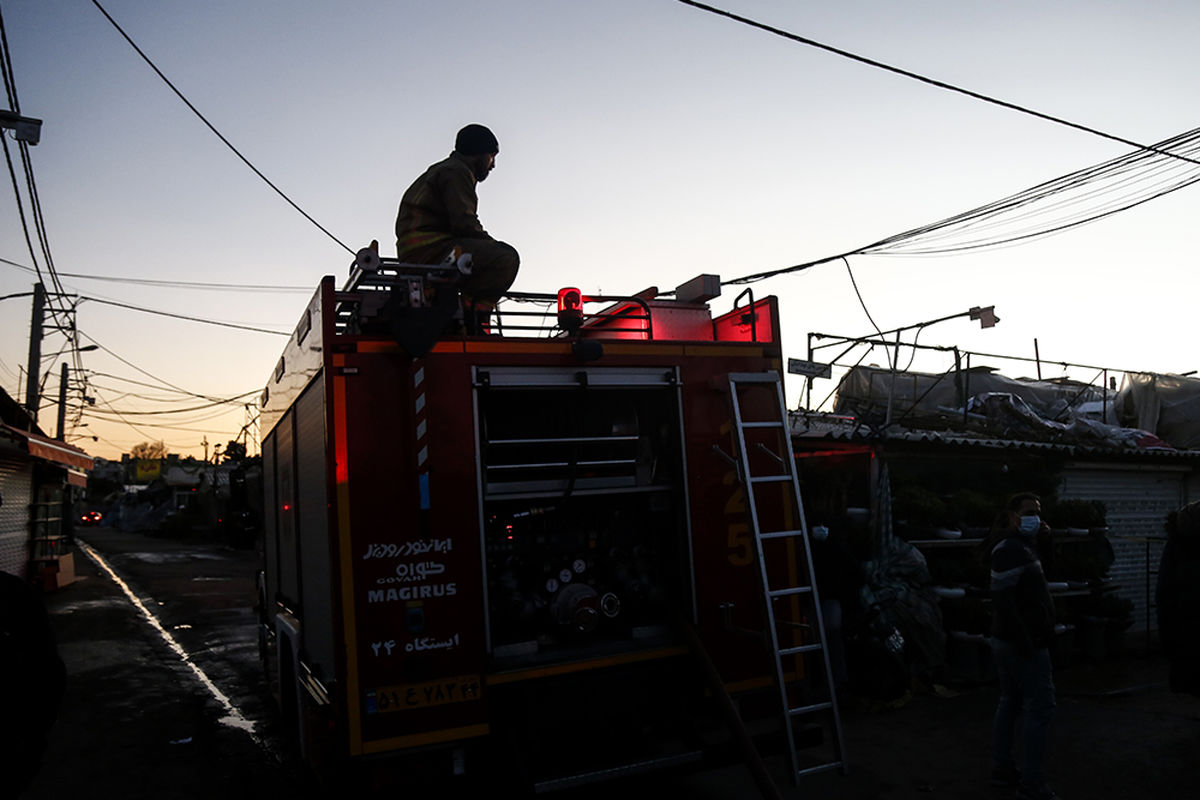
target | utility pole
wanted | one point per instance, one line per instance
(205, 443)
(35, 351)
(62, 404)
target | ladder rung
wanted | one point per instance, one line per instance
(795, 712)
(819, 768)
(789, 592)
(764, 424)
(802, 626)
(770, 478)
(805, 648)
(780, 534)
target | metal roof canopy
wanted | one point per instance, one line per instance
(47, 449)
(812, 427)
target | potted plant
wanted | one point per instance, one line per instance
(919, 508)
(1076, 516)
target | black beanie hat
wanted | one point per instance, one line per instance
(476, 140)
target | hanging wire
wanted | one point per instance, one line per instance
(933, 82)
(1076, 198)
(214, 130)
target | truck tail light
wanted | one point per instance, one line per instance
(570, 310)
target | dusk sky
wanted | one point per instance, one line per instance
(642, 142)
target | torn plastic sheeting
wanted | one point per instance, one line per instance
(1016, 416)
(1166, 405)
(865, 390)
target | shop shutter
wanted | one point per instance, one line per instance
(16, 490)
(1137, 503)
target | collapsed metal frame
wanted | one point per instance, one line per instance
(960, 370)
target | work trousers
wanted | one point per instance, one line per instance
(831, 615)
(493, 266)
(1027, 691)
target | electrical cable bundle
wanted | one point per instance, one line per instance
(1068, 201)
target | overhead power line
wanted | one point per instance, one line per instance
(100, 413)
(236, 399)
(152, 376)
(219, 287)
(1064, 202)
(158, 412)
(139, 425)
(931, 81)
(165, 400)
(1068, 201)
(213, 128)
(184, 316)
(56, 307)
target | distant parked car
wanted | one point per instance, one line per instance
(90, 518)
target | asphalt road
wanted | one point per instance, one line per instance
(139, 720)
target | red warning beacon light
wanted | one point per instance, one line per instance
(570, 310)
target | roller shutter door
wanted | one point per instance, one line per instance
(313, 534)
(16, 490)
(1137, 503)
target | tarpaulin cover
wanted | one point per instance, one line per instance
(1013, 417)
(1166, 405)
(1022, 410)
(864, 392)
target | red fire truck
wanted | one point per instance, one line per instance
(537, 553)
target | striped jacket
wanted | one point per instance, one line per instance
(1022, 610)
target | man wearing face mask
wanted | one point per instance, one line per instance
(1022, 627)
(439, 213)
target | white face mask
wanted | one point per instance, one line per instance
(1029, 523)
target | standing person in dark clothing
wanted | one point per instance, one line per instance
(1022, 627)
(33, 679)
(1177, 599)
(439, 213)
(839, 577)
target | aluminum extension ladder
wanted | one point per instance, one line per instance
(781, 473)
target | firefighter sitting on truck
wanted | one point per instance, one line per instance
(438, 213)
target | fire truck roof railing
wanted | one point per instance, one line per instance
(376, 282)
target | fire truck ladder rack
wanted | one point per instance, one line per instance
(739, 384)
(374, 281)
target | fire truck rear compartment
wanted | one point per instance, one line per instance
(584, 513)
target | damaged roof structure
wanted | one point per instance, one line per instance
(1134, 449)
(1150, 413)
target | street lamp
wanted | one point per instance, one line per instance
(984, 315)
(28, 129)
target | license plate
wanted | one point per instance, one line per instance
(423, 695)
